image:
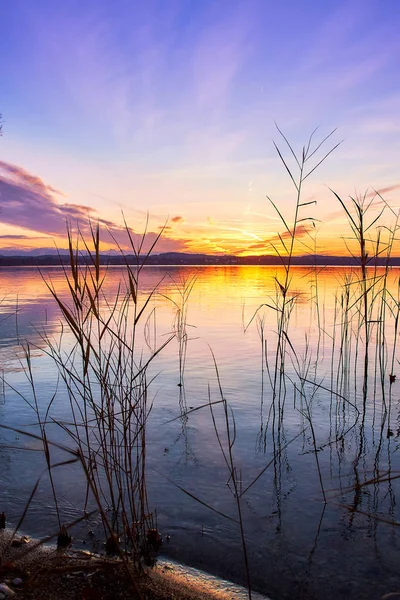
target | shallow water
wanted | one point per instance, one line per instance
(298, 547)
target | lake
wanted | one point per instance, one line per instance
(327, 431)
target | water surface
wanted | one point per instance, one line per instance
(299, 547)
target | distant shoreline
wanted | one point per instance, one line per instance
(195, 260)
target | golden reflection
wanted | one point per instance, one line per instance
(255, 283)
(223, 298)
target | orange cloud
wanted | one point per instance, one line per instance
(301, 230)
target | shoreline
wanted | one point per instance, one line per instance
(42, 571)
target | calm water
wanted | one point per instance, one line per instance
(298, 546)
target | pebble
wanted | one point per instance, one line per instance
(20, 541)
(84, 554)
(6, 591)
(17, 581)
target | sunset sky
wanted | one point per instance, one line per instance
(168, 107)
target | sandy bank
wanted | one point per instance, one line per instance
(36, 572)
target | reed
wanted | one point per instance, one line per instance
(303, 166)
(362, 337)
(105, 376)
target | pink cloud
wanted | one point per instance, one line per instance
(384, 190)
(26, 201)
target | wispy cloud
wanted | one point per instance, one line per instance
(385, 190)
(301, 230)
(267, 244)
(226, 36)
(23, 237)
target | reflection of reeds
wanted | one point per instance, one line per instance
(234, 482)
(180, 325)
(2, 388)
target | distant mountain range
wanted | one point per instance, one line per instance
(48, 257)
(41, 252)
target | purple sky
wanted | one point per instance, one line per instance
(168, 108)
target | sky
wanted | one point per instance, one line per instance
(164, 112)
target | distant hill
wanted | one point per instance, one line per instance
(42, 258)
